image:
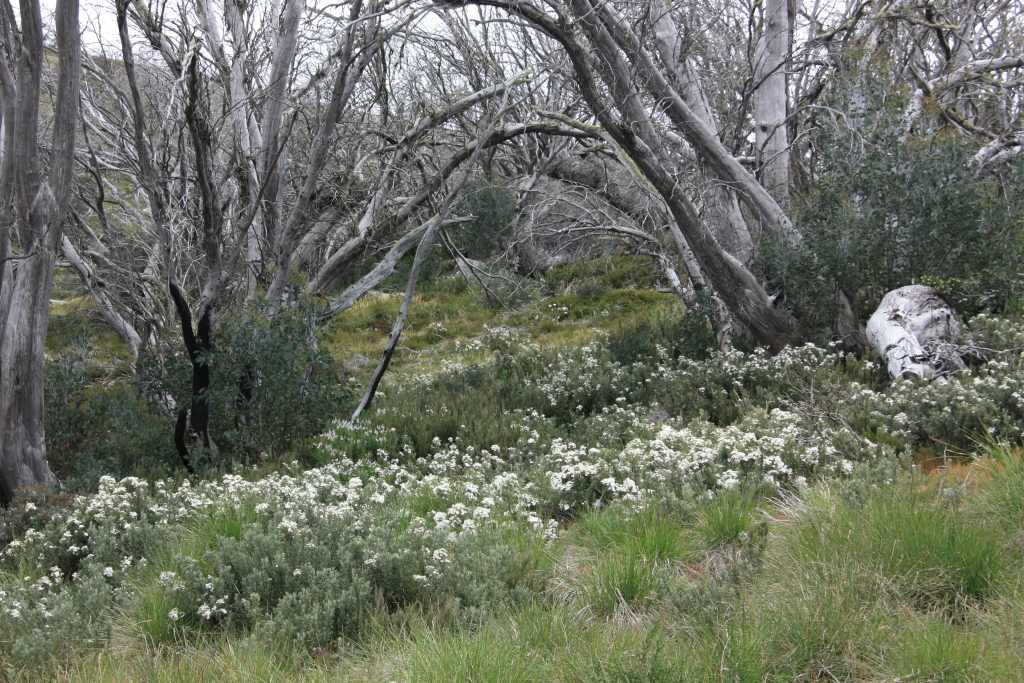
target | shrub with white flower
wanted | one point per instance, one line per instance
(304, 553)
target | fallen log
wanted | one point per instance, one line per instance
(916, 332)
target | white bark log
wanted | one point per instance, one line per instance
(908, 329)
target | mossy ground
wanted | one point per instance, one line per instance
(574, 301)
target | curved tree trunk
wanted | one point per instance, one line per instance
(609, 84)
(723, 209)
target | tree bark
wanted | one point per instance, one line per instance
(771, 99)
(100, 299)
(382, 271)
(198, 343)
(723, 209)
(330, 273)
(908, 331)
(634, 133)
(41, 206)
(348, 75)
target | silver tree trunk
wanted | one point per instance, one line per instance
(723, 209)
(40, 208)
(771, 99)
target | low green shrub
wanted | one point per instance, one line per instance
(889, 209)
(32, 508)
(399, 521)
(493, 206)
(665, 335)
(97, 427)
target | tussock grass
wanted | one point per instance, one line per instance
(652, 533)
(732, 517)
(908, 585)
(910, 543)
(245, 660)
(872, 576)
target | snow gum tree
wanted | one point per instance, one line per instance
(33, 205)
(235, 151)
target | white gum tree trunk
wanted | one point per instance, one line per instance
(40, 206)
(771, 99)
(723, 210)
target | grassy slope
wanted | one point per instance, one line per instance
(450, 313)
(919, 582)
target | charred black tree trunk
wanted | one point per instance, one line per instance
(194, 422)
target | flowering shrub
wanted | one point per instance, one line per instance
(450, 517)
(32, 508)
(986, 401)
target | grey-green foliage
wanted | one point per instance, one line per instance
(886, 210)
(68, 588)
(986, 402)
(273, 384)
(56, 621)
(97, 425)
(493, 204)
(316, 585)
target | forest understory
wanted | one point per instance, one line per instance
(581, 341)
(580, 489)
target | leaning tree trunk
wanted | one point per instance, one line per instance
(422, 251)
(915, 332)
(723, 209)
(40, 207)
(624, 116)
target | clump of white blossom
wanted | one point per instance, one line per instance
(378, 519)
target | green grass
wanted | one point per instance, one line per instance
(443, 313)
(732, 518)
(911, 543)
(921, 580)
(653, 533)
(1003, 497)
(484, 656)
(936, 650)
(245, 660)
(894, 588)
